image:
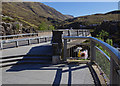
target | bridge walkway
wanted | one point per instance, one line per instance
(33, 68)
(47, 74)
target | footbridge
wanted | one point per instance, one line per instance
(53, 60)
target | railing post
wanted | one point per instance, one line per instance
(77, 32)
(82, 33)
(45, 39)
(85, 32)
(92, 51)
(65, 49)
(38, 40)
(17, 44)
(69, 34)
(1, 45)
(29, 42)
(37, 34)
(114, 75)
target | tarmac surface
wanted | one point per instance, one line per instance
(47, 74)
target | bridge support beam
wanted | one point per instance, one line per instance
(57, 46)
(56, 54)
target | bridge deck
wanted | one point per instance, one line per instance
(43, 73)
(47, 74)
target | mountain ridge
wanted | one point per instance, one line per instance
(32, 12)
(89, 19)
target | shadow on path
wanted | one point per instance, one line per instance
(37, 58)
(59, 72)
(40, 58)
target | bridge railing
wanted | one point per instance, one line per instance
(18, 35)
(114, 59)
(16, 42)
(75, 32)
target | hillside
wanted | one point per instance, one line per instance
(108, 22)
(89, 20)
(69, 16)
(32, 13)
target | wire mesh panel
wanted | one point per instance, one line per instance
(103, 61)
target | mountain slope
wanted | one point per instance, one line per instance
(89, 20)
(108, 22)
(32, 13)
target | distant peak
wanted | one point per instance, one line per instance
(69, 16)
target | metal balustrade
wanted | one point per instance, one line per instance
(75, 32)
(79, 32)
(18, 35)
(16, 41)
(113, 60)
(114, 55)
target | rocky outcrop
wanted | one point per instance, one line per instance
(14, 28)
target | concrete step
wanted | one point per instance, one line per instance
(33, 61)
(25, 62)
(25, 58)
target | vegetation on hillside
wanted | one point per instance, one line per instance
(42, 17)
(31, 14)
(101, 60)
(44, 26)
(103, 35)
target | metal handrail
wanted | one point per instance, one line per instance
(25, 39)
(18, 35)
(114, 55)
(113, 51)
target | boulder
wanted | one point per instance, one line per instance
(2, 31)
(14, 28)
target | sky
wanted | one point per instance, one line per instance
(83, 8)
(73, 0)
(80, 8)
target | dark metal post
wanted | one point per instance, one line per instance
(65, 49)
(92, 51)
(45, 39)
(17, 44)
(114, 75)
(77, 32)
(38, 40)
(29, 42)
(69, 34)
(1, 45)
(82, 33)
